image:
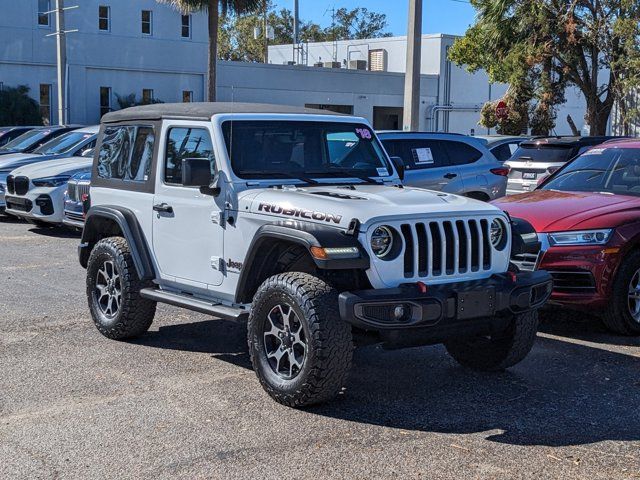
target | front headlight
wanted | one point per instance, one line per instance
(582, 237)
(51, 181)
(498, 234)
(382, 241)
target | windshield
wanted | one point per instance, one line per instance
(25, 140)
(611, 170)
(286, 149)
(63, 144)
(542, 154)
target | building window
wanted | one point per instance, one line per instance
(44, 6)
(45, 103)
(104, 18)
(147, 95)
(105, 100)
(186, 26)
(147, 22)
(187, 96)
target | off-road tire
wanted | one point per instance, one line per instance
(329, 343)
(499, 351)
(135, 315)
(616, 316)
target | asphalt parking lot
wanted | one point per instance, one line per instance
(182, 401)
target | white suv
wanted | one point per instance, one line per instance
(297, 220)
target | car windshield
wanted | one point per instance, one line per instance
(608, 170)
(63, 144)
(542, 154)
(25, 140)
(299, 149)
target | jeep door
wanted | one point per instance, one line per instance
(427, 164)
(187, 230)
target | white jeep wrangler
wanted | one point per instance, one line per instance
(297, 220)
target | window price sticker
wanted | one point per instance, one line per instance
(423, 156)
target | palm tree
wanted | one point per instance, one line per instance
(214, 8)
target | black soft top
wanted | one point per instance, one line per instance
(202, 111)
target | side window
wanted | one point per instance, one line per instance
(126, 153)
(503, 152)
(186, 143)
(417, 154)
(84, 148)
(460, 153)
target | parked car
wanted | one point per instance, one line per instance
(502, 146)
(34, 138)
(76, 198)
(541, 156)
(448, 162)
(35, 192)
(71, 144)
(7, 134)
(298, 223)
(587, 215)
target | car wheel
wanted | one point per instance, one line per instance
(497, 351)
(300, 348)
(622, 314)
(113, 291)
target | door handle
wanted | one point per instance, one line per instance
(449, 176)
(163, 208)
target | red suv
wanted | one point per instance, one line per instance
(587, 215)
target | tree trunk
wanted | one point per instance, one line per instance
(598, 114)
(214, 16)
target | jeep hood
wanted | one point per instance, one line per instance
(337, 205)
(60, 166)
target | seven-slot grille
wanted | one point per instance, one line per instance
(446, 247)
(76, 190)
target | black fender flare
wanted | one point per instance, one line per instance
(131, 231)
(307, 235)
(524, 238)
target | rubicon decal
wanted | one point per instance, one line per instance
(299, 213)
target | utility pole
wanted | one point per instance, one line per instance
(411, 120)
(61, 46)
(296, 32)
(266, 31)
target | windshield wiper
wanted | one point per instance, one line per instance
(347, 173)
(309, 181)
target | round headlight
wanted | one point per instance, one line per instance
(497, 233)
(382, 241)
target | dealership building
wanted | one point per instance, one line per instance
(153, 51)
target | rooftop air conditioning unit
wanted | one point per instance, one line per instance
(318, 64)
(378, 60)
(357, 64)
(332, 65)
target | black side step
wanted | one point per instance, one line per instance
(190, 303)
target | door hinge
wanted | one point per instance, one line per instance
(217, 263)
(218, 218)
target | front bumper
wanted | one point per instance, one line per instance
(42, 203)
(406, 315)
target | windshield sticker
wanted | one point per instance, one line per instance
(596, 151)
(364, 133)
(382, 172)
(423, 156)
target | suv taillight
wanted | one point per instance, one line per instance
(502, 171)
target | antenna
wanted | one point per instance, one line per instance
(334, 56)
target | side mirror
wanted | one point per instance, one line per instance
(398, 164)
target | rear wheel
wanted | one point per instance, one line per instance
(300, 348)
(113, 291)
(622, 314)
(499, 351)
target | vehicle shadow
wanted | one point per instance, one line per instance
(562, 394)
(10, 219)
(58, 232)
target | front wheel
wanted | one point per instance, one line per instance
(622, 314)
(300, 348)
(498, 351)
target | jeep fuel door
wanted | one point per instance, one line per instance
(187, 230)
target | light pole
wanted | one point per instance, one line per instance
(61, 48)
(411, 120)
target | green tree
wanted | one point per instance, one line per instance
(213, 9)
(18, 108)
(547, 45)
(130, 100)
(358, 23)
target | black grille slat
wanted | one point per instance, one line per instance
(423, 262)
(486, 245)
(475, 246)
(11, 188)
(462, 236)
(450, 247)
(408, 250)
(436, 241)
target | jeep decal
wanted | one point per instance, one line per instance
(233, 265)
(299, 213)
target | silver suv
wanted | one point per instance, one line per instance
(448, 162)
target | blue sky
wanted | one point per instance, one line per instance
(440, 16)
